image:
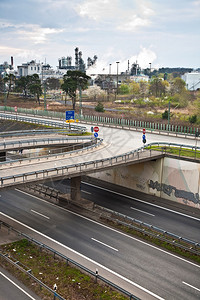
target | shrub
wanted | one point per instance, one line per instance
(99, 107)
(193, 119)
(165, 114)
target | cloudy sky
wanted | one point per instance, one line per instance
(163, 33)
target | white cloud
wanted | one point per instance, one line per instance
(36, 33)
(97, 10)
(116, 14)
(32, 32)
(133, 23)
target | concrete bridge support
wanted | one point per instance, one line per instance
(2, 156)
(76, 188)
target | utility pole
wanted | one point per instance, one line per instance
(117, 62)
(168, 115)
(80, 102)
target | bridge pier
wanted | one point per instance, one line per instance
(2, 156)
(76, 188)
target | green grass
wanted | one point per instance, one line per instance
(186, 152)
(71, 282)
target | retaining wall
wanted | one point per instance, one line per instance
(169, 178)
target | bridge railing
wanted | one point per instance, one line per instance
(88, 144)
(141, 153)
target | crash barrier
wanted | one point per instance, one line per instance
(154, 231)
(159, 128)
(68, 260)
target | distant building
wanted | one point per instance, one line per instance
(44, 71)
(192, 80)
(5, 67)
(29, 68)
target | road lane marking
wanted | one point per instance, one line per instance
(17, 286)
(85, 257)
(112, 229)
(143, 211)
(86, 192)
(39, 214)
(104, 244)
(142, 201)
(190, 286)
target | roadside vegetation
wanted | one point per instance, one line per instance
(164, 97)
(178, 151)
(151, 238)
(72, 284)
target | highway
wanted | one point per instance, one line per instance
(181, 223)
(164, 275)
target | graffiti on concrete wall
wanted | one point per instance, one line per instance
(169, 189)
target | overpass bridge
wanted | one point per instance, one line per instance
(71, 164)
(92, 157)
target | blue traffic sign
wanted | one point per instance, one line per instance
(70, 115)
(95, 134)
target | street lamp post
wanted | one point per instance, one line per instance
(5, 94)
(109, 82)
(149, 70)
(117, 62)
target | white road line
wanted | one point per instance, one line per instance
(190, 286)
(112, 229)
(39, 214)
(143, 211)
(136, 199)
(17, 286)
(85, 257)
(104, 244)
(86, 192)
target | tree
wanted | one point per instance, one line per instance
(52, 83)
(74, 80)
(22, 84)
(144, 89)
(10, 80)
(134, 88)
(157, 87)
(178, 86)
(35, 86)
(95, 92)
(124, 89)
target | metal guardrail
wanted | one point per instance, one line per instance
(40, 121)
(94, 144)
(69, 260)
(76, 169)
(22, 267)
(159, 128)
(18, 133)
(164, 144)
(188, 245)
(42, 141)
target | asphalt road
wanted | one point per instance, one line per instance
(183, 224)
(11, 288)
(165, 275)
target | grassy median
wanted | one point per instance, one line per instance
(71, 282)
